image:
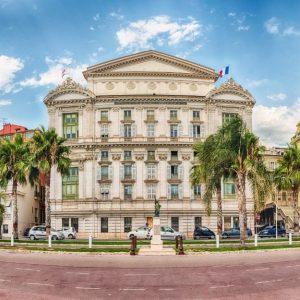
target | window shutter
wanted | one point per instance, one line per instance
(110, 173)
(133, 130)
(202, 130)
(133, 170)
(169, 172)
(99, 173)
(121, 130)
(180, 130)
(180, 191)
(169, 191)
(180, 172)
(122, 172)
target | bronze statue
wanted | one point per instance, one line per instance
(157, 208)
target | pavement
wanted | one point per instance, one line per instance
(244, 275)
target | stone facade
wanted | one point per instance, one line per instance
(131, 133)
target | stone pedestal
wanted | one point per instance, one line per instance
(156, 247)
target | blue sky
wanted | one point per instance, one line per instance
(260, 40)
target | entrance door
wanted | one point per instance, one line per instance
(150, 221)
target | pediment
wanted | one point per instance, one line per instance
(150, 62)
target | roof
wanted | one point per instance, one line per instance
(12, 128)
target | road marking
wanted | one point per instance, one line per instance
(79, 273)
(258, 269)
(140, 274)
(87, 288)
(221, 286)
(35, 270)
(293, 266)
(268, 281)
(166, 289)
(132, 289)
(37, 283)
(4, 280)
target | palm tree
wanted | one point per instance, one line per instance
(287, 177)
(210, 171)
(242, 148)
(15, 166)
(2, 211)
(48, 150)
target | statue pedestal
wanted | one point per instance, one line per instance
(156, 246)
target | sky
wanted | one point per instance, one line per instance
(259, 40)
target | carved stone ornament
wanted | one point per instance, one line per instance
(139, 156)
(131, 85)
(193, 87)
(115, 108)
(151, 85)
(116, 156)
(109, 86)
(186, 156)
(81, 165)
(172, 86)
(162, 156)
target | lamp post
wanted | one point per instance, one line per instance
(276, 218)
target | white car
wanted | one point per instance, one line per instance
(141, 233)
(168, 233)
(69, 232)
(39, 233)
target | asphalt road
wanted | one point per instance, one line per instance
(248, 275)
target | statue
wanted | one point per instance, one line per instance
(156, 208)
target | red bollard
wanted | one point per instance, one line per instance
(181, 252)
(176, 240)
(133, 245)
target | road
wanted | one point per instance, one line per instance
(247, 275)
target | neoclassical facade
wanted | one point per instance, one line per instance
(131, 133)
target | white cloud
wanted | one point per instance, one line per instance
(272, 25)
(231, 14)
(158, 29)
(243, 28)
(5, 102)
(116, 15)
(277, 97)
(291, 31)
(276, 125)
(53, 76)
(96, 17)
(256, 83)
(92, 28)
(238, 21)
(9, 66)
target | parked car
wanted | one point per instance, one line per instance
(168, 233)
(270, 231)
(39, 233)
(234, 233)
(201, 232)
(26, 232)
(141, 233)
(69, 232)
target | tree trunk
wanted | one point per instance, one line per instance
(15, 209)
(219, 210)
(296, 216)
(47, 209)
(241, 185)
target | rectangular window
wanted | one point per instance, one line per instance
(151, 172)
(197, 191)
(174, 155)
(150, 155)
(198, 221)
(104, 192)
(173, 115)
(127, 155)
(150, 130)
(127, 115)
(151, 191)
(127, 131)
(128, 192)
(104, 115)
(174, 191)
(196, 115)
(174, 171)
(272, 165)
(104, 172)
(70, 184)
(150, 115)
(236, 223)
(226, 117)
(175, 223)
(104, 155)
(5, 228)
(196, 131)
(70, 126)
(104, 130)
(229, 187)
(227, 223)
(104, 224)
(128, 171)
(65, 222)
(127, 224)
(74, 223)
(174, 131)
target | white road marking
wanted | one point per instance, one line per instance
(132, 289)
(221, 286)
(87, 288)
(140, 274)
(258, 269)
(268, 281)
(293, 266)
(5, 280)
(166, 289)
(79, 273)
(22, 269)
(37, 283)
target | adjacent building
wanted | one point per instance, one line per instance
(131, 132)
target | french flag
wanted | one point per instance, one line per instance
(224, 71)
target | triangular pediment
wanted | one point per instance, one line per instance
(150, 62)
